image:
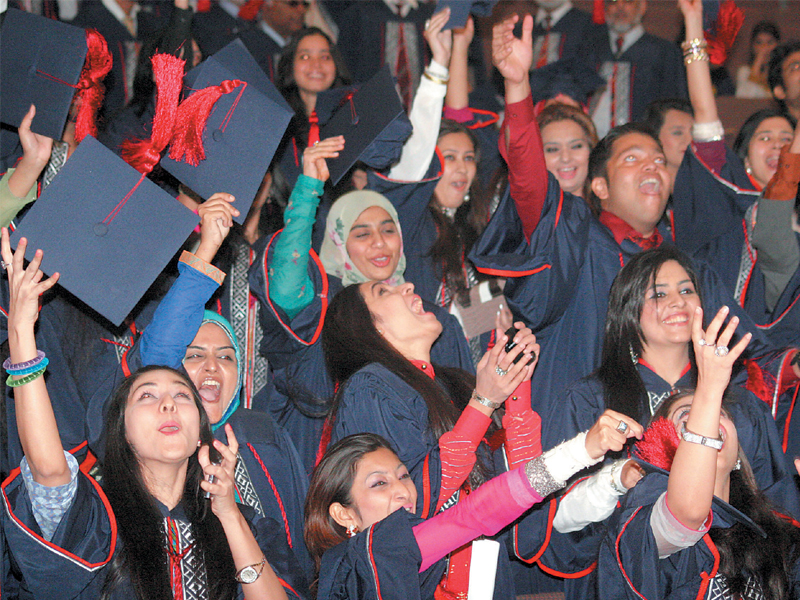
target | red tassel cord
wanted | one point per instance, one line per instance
(658, 444)
(193, 113)
(203, 6)
(598, 12)
(250, 9)
(723, 34)
(143, 155)
(90, 85)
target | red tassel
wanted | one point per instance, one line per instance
(249, 9)
(599, 12)
(90, 85)
(659, 443)
(193, 113)
(143, 155)
(757, 383)
(729, 21)
(203, 6)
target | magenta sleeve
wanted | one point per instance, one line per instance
(497, 503)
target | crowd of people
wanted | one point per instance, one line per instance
(538, 336)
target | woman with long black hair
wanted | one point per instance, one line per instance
(172, 541)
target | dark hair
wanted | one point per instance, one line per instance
(286, 84)
(601, 154)
(142, 558)
(623, 388)
(455, 237)
(656, 112)
(775, 70)
(331, 482)
(762, 27)
(743, 552)
(351, 341)
(558, 111)
(741, 145)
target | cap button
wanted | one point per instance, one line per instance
(100, 229)
(217, 135)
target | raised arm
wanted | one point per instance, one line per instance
(520, 139)
(36, 422)
(426, 109)
(695, 478)
(291, 287)
(698, 71)
(457, 97)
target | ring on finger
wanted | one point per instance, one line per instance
(500, 371)
(3, 264)
(702, 342)
(427, 24)
(721, 351)
(622, 427)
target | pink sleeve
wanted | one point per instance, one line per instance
(457, 451)
(712, 154)
(497, 503)
(459, 115)
(521, 147)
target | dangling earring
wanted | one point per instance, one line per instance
(634, 356)
(466, 197)
(352, 530)
(738, 464)
(380, 331)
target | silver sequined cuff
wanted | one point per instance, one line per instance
(540, 478)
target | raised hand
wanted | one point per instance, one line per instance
(712, 353)
(36, 150)
(610, 433)
(216, 220)
(513, 56)
(497, 374)
(440, 42)
(25, 284)
(223, 499)
(314, 164)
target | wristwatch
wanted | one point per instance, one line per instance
(251, 573)
(696, 438)
(485, 401)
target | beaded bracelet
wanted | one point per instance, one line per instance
(11, 382)
(19, 372)
(9, 366)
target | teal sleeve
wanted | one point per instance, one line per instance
(291, 288)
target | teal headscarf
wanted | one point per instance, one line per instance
(234, 401)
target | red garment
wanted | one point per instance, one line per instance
(523, 427)
(521, 147)
(622, 231)
(457, 451)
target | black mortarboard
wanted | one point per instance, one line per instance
(41, 61)
(568, 76)
(241, 135)
(372, 121)
(106, 228)
(461, 9)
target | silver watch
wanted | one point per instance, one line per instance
(696, 438)
(251, 573)
(485, 401)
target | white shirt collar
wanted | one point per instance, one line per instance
(555, 16)
(229, 7)
(631, 37)
(273, 34)
(118, 13)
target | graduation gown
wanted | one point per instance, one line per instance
(567, 37)
(559, 282)
(628, 565)
(303, 387)
(73, 563)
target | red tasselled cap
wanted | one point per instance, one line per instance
(190, 122)
(143, 155)
(599, 12)
(90, 85)
(658, 444)
(723, 34)
(249, 10)
(757, 381)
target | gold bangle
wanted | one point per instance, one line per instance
(434, 78)
(691, 45)
(697, 54)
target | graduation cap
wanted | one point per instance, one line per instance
(372, 121)
(233, 149)
(44, 62)
(106, 228)
(461, 9)
(568, 76)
